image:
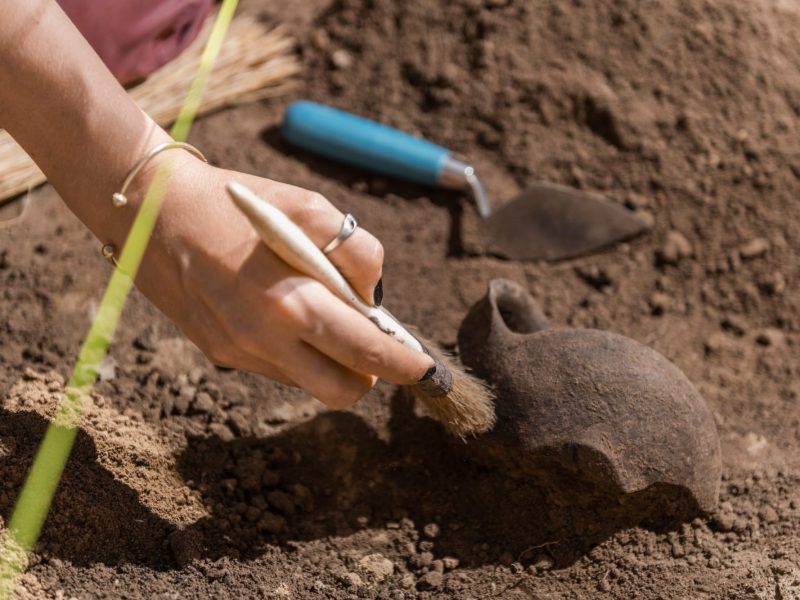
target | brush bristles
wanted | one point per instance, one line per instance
(468, 408)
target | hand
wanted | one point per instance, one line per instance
(209, 272)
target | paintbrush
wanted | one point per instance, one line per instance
(460, 401)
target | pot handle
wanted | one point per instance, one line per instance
(506, 314)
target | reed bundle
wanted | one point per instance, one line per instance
(255, 62)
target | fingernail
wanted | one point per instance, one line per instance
(377, 295)
(428, 374)
(437, 381)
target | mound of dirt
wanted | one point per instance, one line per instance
(189, 481)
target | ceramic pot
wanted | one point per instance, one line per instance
(588, 404)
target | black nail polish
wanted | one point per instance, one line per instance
(437, 381)
(428, 374)
(377, 295)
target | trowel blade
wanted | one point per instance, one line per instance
(552, 222)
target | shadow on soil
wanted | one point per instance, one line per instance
(357, 481)
(94, 517)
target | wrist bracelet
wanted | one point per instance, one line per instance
(119, 199)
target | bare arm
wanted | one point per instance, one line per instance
(61, 104)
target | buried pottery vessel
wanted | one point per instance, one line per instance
(588, 405)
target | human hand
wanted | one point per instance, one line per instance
(205, 267)
(209, 272)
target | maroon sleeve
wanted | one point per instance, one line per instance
(135, 37)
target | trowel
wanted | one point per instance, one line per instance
(546, 221)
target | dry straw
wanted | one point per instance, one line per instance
(255, 62)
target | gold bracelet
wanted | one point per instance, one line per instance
(119, 198)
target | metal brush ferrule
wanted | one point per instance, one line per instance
(456, 174)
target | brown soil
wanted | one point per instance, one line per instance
(188, 481)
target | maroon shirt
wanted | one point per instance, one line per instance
(135, 37)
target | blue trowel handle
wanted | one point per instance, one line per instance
(363, 143)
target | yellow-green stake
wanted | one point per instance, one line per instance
(37, 494)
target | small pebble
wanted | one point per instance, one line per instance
(167, 405)
(659, 303)
(407, 581)
(595, 276)
(249, 470)
(717, 343)
(773, 283)
(377, 565)
(252, 513)
(282, 501)
(271, 522)
(634, 201)
(352, 580)
(723, 521)
(675, 248)
(146, 341)
(740, 526)
(430, 581)
(196, 375)
(678, 550)
(754, 248)
(770, 337)
(768, 514)
(203, 402)
(187, 392)
(229, 485)
(181, 405)
(239, 420)
(302, 497)
(543, 563)
(320, 40)
(341, 59)
(450, 562)
(450, 73)
(223, 432)
(431, 530)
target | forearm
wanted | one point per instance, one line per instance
(62, 105)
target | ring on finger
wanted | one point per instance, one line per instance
(348, 228)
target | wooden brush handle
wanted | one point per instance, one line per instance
(294, 247)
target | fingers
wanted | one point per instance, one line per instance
(302, 366)
(359, 258)
(350, 339)
(325, 379)
(247, 362)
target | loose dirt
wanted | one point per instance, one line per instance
(188, 481)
